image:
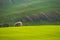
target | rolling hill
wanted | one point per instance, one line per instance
(12, 11)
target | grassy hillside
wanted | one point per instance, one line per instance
(12, 12)
(49, 32)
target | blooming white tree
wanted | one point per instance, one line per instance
(18, 24)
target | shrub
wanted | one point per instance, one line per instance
(5, 25)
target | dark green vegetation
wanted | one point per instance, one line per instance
(44, 18)
(30, 33)
(30, 12)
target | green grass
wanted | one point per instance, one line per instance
(12, 12)
(45, 32)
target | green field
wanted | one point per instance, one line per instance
(45, 32)
(12, 12)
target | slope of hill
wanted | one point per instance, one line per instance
(12, 12)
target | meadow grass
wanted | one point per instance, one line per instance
(42, 32)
